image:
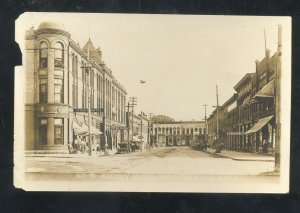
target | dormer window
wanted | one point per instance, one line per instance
(43, 55)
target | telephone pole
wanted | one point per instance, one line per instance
(205, 118)
(218, 150)
(87, 70)
(128, 125)
(149, 127)
(132, 101)
(277, 103)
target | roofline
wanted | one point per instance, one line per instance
(179, 122)
(242, 80)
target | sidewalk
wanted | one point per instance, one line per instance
(67, 155)
(241, 156)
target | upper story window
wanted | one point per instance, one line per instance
(58, 91)
(43, 55)
(59, 55)
(43, 90)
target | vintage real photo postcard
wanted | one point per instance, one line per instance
(152, 103)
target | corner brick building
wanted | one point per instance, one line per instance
(58, 75)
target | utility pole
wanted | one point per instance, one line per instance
(128, 125)
(133, 101)
(218, 150)
(149, 127)
(141, 127)
(205, 118)
(87, 70)
(277, 103)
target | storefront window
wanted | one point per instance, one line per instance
(43, 90)
(58, 55)
(43, 55)
(58, 131)
(43, 131)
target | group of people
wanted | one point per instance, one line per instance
(79, 145)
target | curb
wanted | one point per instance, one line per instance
(238, 159)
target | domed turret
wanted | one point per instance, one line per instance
(53, 28)
(51, 25)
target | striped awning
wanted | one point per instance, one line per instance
(79, 129)
(260, 124)
(267, 91)
(95, 131)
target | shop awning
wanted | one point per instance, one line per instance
(267, 91)
(260, 124)
(95, 131)
(79, 129)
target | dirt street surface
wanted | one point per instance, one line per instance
(158, 161)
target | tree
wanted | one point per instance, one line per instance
(161, 119)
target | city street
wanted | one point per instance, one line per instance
(158, 161)
(159, 169)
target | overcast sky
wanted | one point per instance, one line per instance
(181, 57)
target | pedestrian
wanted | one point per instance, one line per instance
(76, 144)
(70, 147)
(265, 146)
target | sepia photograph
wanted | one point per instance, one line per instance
(152, 103)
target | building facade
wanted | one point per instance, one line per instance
(62, 82)
(227, 121)
(244, 96)
(262, 132)
(249, 125)
(138, 129)
(177, 133)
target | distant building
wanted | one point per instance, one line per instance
(227, 124)
(244, 96)
(138, 129)
(176, 133)
(58, 75)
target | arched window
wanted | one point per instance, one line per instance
(200, 131)
(178, 131)
(163, 130)
(43, 55)
(59, 55)
(183, 131)
(187, 131)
